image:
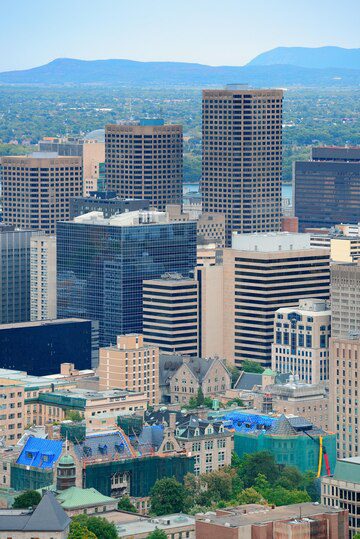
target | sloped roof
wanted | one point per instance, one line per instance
(48, 516)
(169, 364)
(98, 445)
(247, 380)
(151, 437)
(74, 497)
(40, 453)
(191, 423)
(282, 427)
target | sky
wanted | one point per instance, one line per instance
(215, 32)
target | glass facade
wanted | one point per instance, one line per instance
(327, 193)
(101, 268)
(14, 275)
(40, 348)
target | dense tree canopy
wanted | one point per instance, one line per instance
(100, 527)
(167, 496)
(30, 498)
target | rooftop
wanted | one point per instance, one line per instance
(271, 242)
(48, 516)
(131, 218)
(256, 514)
(146, 526)
(40, 453)
(75, 497)
(348, 470)
(41, 323)
(107, 445)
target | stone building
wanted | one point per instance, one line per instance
(207, 441)
(182, 376)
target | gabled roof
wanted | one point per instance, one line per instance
(170, 364)
(48, 516)
(247, 380)
(75, 497)
(40, 453)
(193, 426)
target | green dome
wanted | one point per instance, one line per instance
(66, 460)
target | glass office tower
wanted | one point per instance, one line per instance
(102, 263)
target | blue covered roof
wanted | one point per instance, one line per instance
(40, 453)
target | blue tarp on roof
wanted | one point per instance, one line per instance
(40, 453)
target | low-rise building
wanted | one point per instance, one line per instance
(310, 401)
(131, 365)
(53, 406)
(182, 376)
(177, 526)
(305, 520)
(301, 340)
(293, 440)
(47, 520)
(77, 501)
(207, 441)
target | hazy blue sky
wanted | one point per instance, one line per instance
(217, 32)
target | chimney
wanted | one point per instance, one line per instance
(172, 421)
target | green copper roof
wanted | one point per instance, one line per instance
(269, 372)
(348, 470)
(74, 497)
(66, 459)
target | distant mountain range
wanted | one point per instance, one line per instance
(284, 66)
(313, 58)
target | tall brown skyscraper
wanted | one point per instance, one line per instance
(37, 189)
(145, 161)
(241, 166)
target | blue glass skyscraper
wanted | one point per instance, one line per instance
(101, 265)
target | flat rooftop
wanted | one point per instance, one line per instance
(40, 323)
(22, 378)
(259, 514)
(271, 242)
(131, 218)
(95, 395)
(145, 525)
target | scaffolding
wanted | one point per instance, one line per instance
(143, 472)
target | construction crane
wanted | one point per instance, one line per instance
(322, 454)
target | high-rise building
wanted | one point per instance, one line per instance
(262, 273)
(332, 178)
(242, 156)
(14, 274)
(301, 341)
(145, 161)
(102, 263)
(211, 309)
(91, 151)
(36, 189)
(343, 393)
(40, 347)
(171, 314)
(344, 357)
(131, 365)
(345, 299)
(43, 277)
